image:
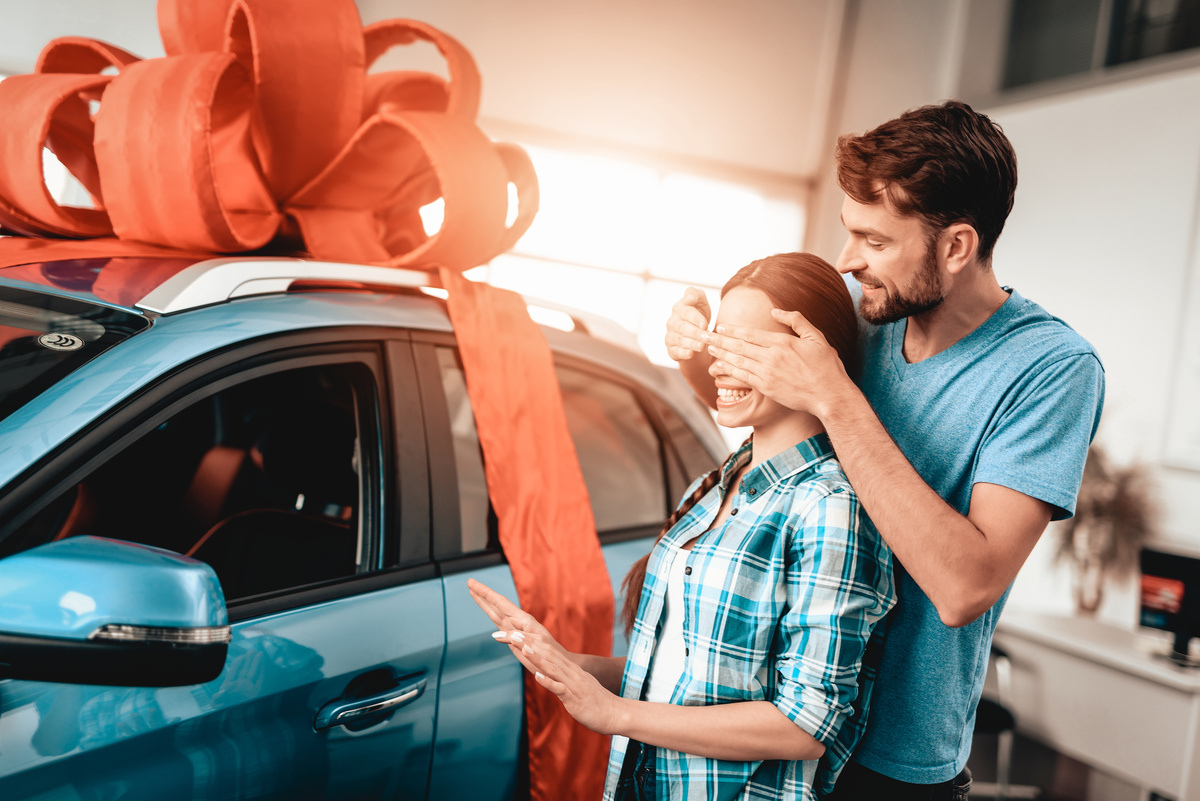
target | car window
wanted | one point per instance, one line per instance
(262, 480)
(44, 337)
(468, 461)
(620, 452)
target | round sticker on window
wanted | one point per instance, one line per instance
(60, 341)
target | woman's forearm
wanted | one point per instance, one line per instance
(607, 670)
(743, 732)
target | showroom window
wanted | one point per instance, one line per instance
(623, 238)
(1051, 39)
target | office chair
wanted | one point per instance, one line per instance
(994, 716)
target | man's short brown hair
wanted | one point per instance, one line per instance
(945, 163)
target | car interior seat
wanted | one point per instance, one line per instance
(308, 453)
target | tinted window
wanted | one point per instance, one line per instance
(468, 462)
(44, 337)
(261, 480)
(619, 451)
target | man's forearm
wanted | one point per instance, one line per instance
(943, 551)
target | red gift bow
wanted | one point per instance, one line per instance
(262, 121)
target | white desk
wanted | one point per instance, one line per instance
(1093, 692)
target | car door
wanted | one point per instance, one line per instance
(278, 464)
(636, 456)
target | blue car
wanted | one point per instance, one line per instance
(240, 500)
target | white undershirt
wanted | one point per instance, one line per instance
(669, 657)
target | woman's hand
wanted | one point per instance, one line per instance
(583, 696)
(512, 622)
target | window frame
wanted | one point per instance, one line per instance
(381, 481)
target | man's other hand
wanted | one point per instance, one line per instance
(687, 325)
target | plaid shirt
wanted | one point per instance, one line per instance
(779, 605)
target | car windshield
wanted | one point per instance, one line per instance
(45, 337)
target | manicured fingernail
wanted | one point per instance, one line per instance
(540, 675)
(720, 329)
(516, 637)
(528, 649)
(498, 635)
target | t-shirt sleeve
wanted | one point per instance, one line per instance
(1039, 445)
(839, 586)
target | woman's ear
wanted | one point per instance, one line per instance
(958, 246)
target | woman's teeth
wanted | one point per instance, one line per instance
(731, 395)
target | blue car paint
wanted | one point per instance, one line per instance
(481, 705)
(249, 733)
(51, 591)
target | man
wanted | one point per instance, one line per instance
(965, 435)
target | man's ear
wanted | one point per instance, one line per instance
(958, 246)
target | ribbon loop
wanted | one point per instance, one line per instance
(196, 184)
(54, 112)
(79, 55)
(262, 123)
(464, 87)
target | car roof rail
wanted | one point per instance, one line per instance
(589, 323)
(216, 280)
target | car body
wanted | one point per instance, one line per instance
(301, 433)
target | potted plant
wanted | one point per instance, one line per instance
(1114, 516)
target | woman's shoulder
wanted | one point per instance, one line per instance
(824, 479)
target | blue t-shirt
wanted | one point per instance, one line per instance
(1016, 402)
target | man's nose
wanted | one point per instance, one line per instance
(849, 260)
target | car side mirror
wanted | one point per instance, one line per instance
(89, 610)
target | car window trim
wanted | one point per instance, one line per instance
(445, 511)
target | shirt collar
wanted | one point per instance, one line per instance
(796, 459)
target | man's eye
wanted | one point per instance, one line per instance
(875, 245)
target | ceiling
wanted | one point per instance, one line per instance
(741, 85)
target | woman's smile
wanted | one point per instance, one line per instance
(729, 396)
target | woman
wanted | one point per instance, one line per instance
(750, 618)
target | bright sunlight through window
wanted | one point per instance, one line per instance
(624, 240)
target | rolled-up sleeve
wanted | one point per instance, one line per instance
(839, 586)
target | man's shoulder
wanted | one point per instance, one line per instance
(1030, 327)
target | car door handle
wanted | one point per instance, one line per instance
(347, 710)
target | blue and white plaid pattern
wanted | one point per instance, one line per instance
(780, 605)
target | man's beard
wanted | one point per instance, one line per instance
(924, 294)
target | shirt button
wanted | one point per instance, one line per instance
(687, 651)
(687, 571)
(733, 512)
(753, 491)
